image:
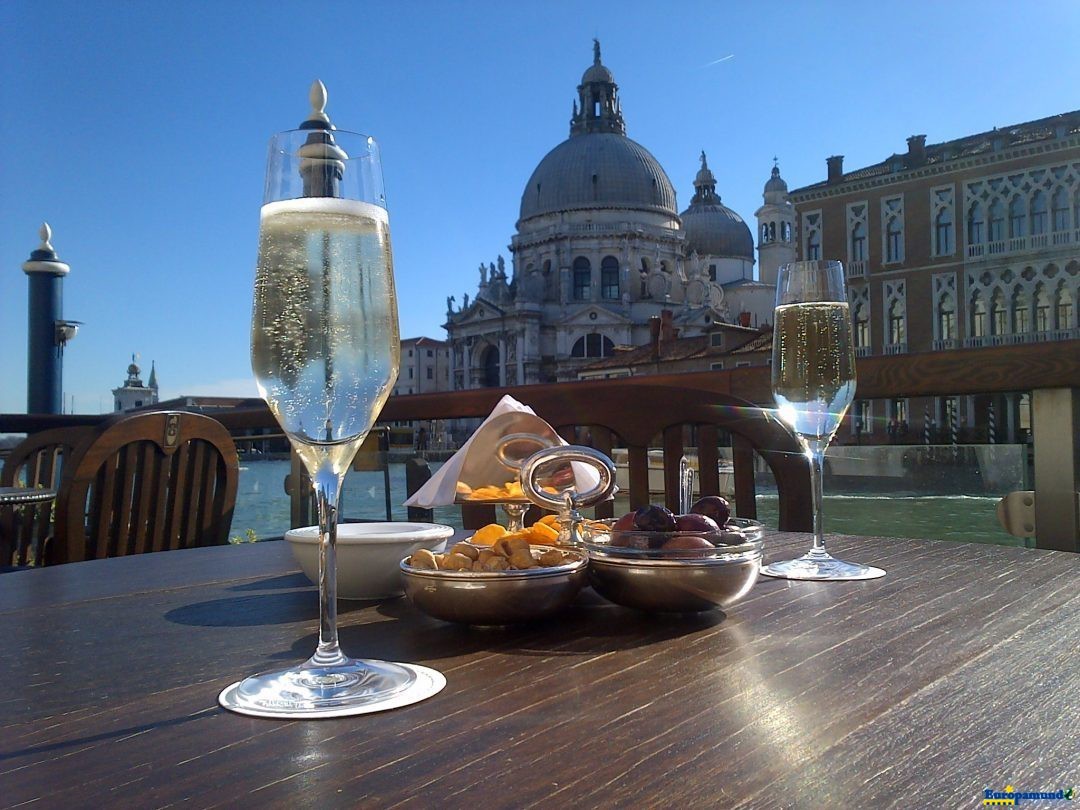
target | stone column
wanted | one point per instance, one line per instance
(47, 332)
(466, 377)
(453, 369)
(502, 359)
(520, 338)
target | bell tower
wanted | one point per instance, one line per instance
(776, 228)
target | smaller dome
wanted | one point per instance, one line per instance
(776, 182)
(597, 73)
(133, 370)
(716, 230)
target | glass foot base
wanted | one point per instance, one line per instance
(821, 567)
(310, 690)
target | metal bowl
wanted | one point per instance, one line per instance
(495, 597)
(673, 580)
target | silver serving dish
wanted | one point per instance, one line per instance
(495, 597)
(674, 580)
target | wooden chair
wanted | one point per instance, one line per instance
(36, 462)
(146, 482)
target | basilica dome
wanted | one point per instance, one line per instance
(711, 228)
(598, 170)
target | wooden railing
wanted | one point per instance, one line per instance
(646, 411)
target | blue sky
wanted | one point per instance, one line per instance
(139, 130)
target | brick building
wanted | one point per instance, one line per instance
(967, 243)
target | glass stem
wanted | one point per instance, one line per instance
(816, 455)
(327, 486)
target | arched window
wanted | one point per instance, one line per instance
(858, 241)
(1017, 217)
(861, 320)
(1038, 213)
(943, 231)
(772, 231)
(785, 230)
(582, 278)
(491, 367)
(947, 318)
(547, 266)
(1042, 310)
(978, 316)
(897, 330)
(1059, 209)
(997, 221)
(764, 232)
(1021, 310)
(609, 278)
(593, 345)
(1064, 309)
(976, 224)
(999, 316)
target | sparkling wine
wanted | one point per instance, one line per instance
(813, 367)
(324, 335)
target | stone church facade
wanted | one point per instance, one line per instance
(600, 248)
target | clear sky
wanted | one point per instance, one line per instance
(139, 131)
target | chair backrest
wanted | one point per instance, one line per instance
(146, 482)
(35, 462)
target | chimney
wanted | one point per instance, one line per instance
(916, 151)
(836, 168)
(667, 326)
(654, 336)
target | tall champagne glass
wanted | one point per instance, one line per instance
(813, 382)
(325, 353)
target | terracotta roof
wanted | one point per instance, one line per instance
(1041, 129)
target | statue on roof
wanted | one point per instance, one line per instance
(596, 51)
(502, 266)
(704, 163)
(491, 270)
(450, 304)
(465, 302)
(483, 274)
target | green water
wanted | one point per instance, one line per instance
(263, 507)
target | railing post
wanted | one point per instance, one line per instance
(1056, 423)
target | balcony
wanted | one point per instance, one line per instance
(856, 269)
(1023, 244)
(863, 351)
(896, 348)
(945, 344)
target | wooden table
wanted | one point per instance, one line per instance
(958, 672)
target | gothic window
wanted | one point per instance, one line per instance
(947, 318)
(1038, 213)
(978, 317)
(1042, 311)
(975, 224)
(893, 214)
(997, 221)
(861, 319)
(812, 229)
(582, 278)
(609, 278)
(1064, 309)
(593, 345)
(1017, 217)
(491, 368)
(896, 323)
(857, 232)
(999, 316)
(1021, 308)
(1059, 206)
(943, 233)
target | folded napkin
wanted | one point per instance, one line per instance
(441, 488)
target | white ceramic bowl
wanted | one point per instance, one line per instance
(368, 554)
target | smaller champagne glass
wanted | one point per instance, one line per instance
(813, 382)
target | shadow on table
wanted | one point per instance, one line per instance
(119, 733)
(257, 610)
(282, 582)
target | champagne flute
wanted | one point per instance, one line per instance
(813, 382)
(325, 354)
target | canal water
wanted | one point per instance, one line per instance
(263, 508)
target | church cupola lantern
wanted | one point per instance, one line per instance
(597, 108)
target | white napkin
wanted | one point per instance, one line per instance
(441, 488)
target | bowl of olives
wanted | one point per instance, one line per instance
(654, 560)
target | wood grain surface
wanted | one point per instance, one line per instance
(955, 673)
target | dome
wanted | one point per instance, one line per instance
(713, 229)
(598, 73)
(598, 170)
(776, 182)
(133, 370)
